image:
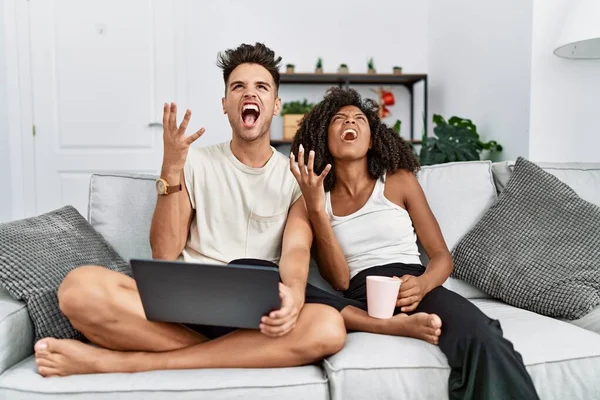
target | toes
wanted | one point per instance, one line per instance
(435, 321)
(44, 362)
(432, 339)
(47, 371)
(41, 345)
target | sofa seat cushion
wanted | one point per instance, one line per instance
(16, 331)
(309, 382)
(562, 359)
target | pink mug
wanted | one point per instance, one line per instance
(382, 294)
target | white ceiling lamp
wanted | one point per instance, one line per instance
(580, 37)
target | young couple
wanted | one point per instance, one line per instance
(352, 199)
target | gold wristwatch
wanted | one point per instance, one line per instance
(163, 188)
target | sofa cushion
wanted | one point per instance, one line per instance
(583, 178)
(120, 209)
(458, 193)
(16, 331)
(36, 255)
(537, 247)
(309, 382)
(562, 359)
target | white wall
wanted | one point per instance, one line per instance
(340, 31)
(5, 171)
(479, 66)
(564, 94)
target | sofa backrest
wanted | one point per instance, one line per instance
(458, 193)
(121, 206)
(583, 178)
(120, 209)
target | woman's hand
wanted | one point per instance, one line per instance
(412, 290)
(310, 183)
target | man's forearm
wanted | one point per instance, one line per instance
(293, 268)
(165, 231)
(331, 257)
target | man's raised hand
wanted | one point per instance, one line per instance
(176, 144)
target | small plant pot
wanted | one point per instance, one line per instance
(289, 70)
(371, 71)
(318, 70)
(397, 71)
(290, 125)
(342, 70)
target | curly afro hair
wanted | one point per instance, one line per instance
(388, 152)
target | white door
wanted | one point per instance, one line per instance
(101, 71)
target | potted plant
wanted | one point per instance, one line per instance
(292, 113)
(343, 69)
(397, 70)
(289, 68)
(371, 66)
(319, 66)
(455, 140)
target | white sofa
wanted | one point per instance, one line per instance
(563, 357)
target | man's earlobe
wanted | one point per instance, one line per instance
(223, 105)
(277, 107)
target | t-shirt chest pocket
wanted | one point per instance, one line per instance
(265, 234)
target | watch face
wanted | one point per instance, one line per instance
(160, 186)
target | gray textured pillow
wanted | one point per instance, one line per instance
(537, 247)
(37, 253)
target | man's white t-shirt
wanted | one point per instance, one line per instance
(240, 212)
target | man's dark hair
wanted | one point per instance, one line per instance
(247, 53)
(388, 152)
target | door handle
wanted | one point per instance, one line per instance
(155, 125)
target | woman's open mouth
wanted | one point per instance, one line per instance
(349, 135)
(250, 114)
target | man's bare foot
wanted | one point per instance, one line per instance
(420, 326)
(62, 357)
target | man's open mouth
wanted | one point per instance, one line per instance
(250, 114)
(349, 135)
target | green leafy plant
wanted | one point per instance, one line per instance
(371, 64)
(397, 126)
(296, 107)
(319, 63)
(455, 140)
(289, 65)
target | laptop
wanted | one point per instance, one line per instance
(222, 295)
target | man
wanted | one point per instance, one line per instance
(216, 204)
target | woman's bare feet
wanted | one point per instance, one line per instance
(420, 326)
(62, 357)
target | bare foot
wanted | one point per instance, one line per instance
(62, 357)
(420, 326)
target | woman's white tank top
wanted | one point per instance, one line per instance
(379, 233)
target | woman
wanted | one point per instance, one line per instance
(367, 210)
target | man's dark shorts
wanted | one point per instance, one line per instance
(313, 295)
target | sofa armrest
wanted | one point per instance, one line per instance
(16, 331)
